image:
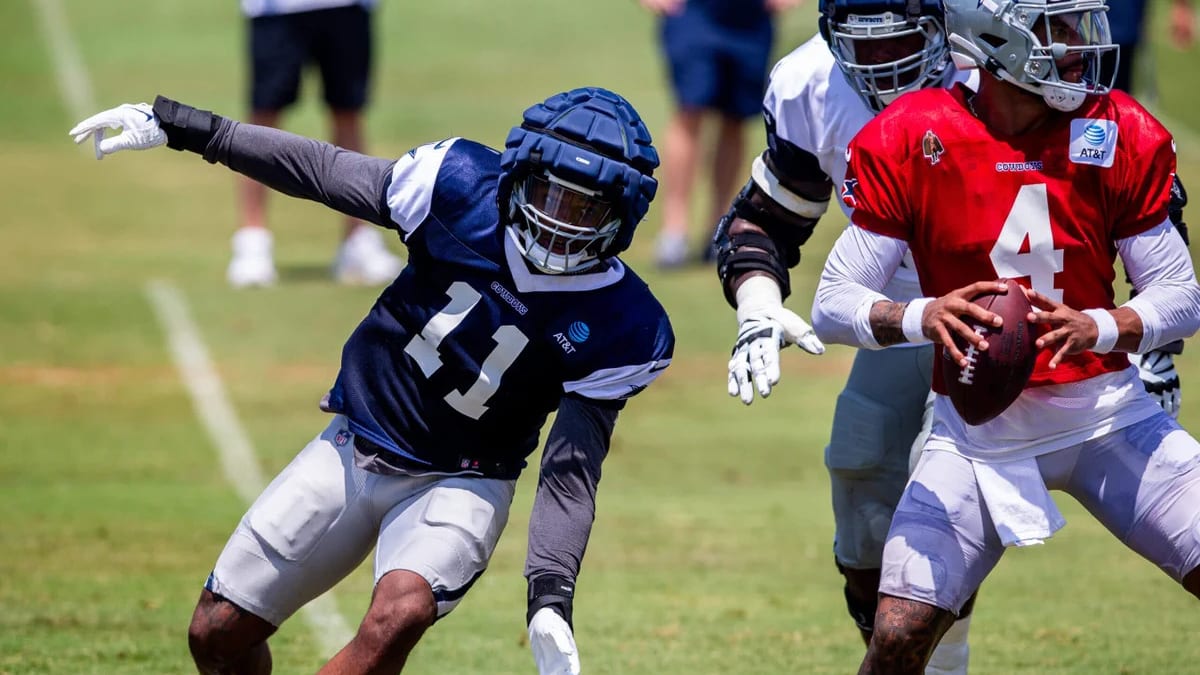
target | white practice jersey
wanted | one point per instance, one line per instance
(253, 8)
(817, 110)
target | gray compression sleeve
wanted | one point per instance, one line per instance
(349, 182)
(565, 504)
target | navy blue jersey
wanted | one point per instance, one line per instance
(462, 358)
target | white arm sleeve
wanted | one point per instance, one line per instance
(1168, 299)
(860, 264)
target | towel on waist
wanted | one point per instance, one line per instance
(1017, 499)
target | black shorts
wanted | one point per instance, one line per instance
(337, 40)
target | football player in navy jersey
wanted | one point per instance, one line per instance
(513, 305)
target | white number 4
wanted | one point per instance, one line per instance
(1029, 219)
(423, 349)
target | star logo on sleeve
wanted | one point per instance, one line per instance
(848, 187)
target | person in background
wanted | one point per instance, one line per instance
(1127, 18)
(285, 37)
(717, 53)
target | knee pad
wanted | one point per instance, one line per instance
(861, 603)
(862, 436)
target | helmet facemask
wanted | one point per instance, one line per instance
(561, 227)
(1053, 48)
(1066, 57)
(915, 56)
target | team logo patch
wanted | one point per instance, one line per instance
(579, 332)
(342, 437)
(932, 148)
(848, 187)
(1093, 142)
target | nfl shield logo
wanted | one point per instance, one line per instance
(342, 437)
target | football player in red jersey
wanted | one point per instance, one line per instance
(1043, 176)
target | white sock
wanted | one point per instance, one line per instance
(953, 652)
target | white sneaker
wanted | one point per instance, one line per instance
(252, 264)
(671, 250)
(364, 260)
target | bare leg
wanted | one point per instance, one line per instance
(348, 134)
(402, 609)
(728, 166)
(253, 193)
(227, 640)
(906, 631)
(681, 151)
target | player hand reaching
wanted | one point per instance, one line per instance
(764, 327)
(138, 124)
(1157, 371)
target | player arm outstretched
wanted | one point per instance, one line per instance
(757, 242)
(565, 504)
(564, 509)
(346, 181)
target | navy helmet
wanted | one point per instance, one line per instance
(576, 178)
(916, 57)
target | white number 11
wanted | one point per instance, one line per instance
(423, 348)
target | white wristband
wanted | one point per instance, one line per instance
(757, 295)
(1107, 326)
(911, 322)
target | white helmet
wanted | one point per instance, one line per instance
(1024, 42)
(850, 25)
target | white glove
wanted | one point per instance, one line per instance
(764, 327)
(553, 644)
(1157, 370)
(139, 125)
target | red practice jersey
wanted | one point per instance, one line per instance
(1044, 208)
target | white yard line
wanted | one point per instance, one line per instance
(73, 82)
(236, 453)
(191, 357)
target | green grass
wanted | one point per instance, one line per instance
(711, 552)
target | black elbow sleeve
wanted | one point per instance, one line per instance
(1179, 199)
(186, 127)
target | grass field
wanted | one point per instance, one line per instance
(711, 553)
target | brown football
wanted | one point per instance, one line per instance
(993, 379)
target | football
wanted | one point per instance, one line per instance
(993, 379)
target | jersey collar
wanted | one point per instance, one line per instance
(528, 281)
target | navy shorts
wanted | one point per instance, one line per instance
(337, 40)
(717, 67)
